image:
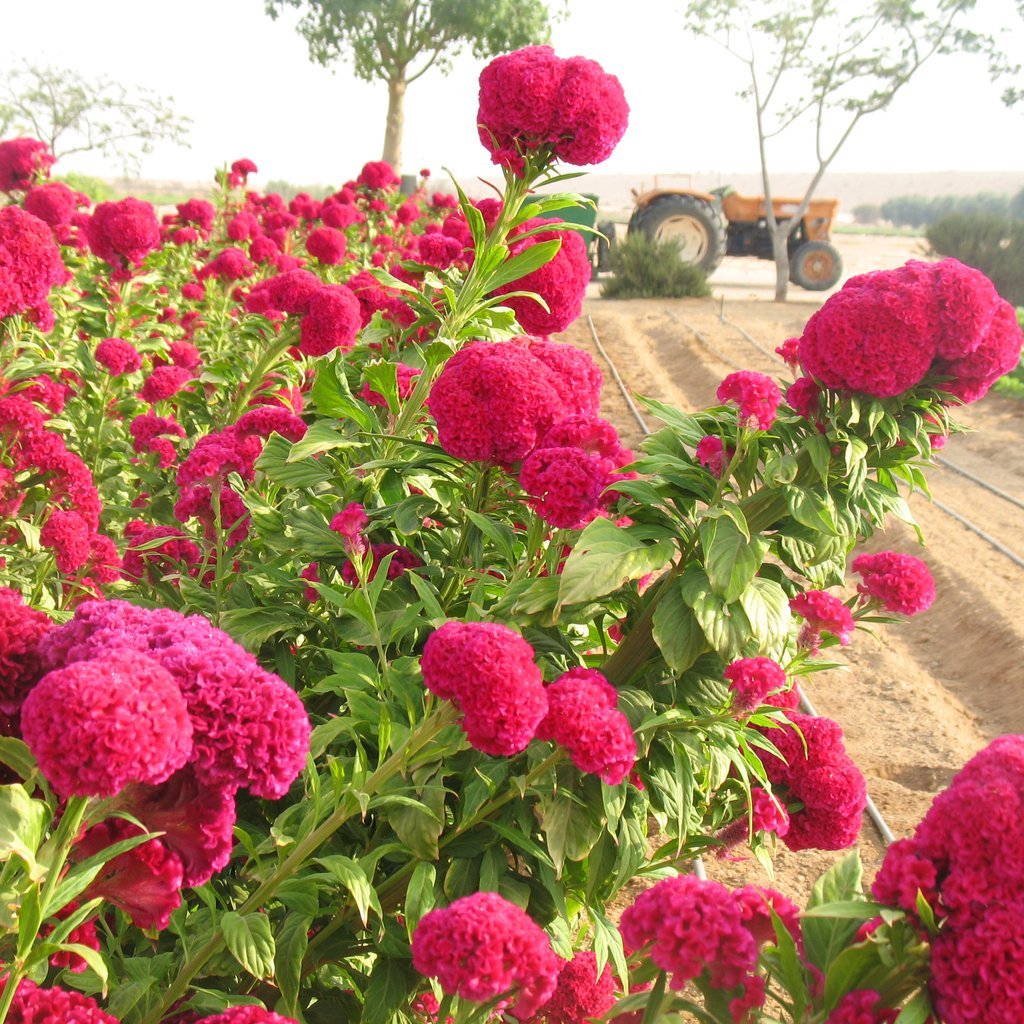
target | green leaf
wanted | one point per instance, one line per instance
(767, 610)
(826, 937)
(917, 1011)
(392, 982)
(726, 626)
(274, 463)
(848, 972)
(419, 895)
(352, 876)
(292, 942)
(731, 555)
(250, 941)
(15, 754)
(677, 632)
(525, 262)
(322, 436)
(22, 821)
(606, 556)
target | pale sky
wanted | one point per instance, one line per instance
(251, 91)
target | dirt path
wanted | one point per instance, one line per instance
(919, 700)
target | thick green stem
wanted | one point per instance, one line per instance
(265, 364)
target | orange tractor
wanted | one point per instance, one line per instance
(710, 225)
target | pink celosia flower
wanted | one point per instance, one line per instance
(328, 245)
(271, 419)
(350, 521)
(152, 434)
(757, 904)
(145, 882)
(580, 995)
(790, 352)
(488, 671)
(30, 263)
(692, 926)
(565, 485)
(757, 396)
(561, 282)
(902, 583)
(493, 402)
(68, 535)
(198, 212)
(34, 1005)
(531, 99)
(53, 203)
(861, 1006)
(97, 725)
(804, 397)
(123, 232)
(22, 161)
(21, 628)
(379, 175)
(402, 560)
(751, 680)
(118, 356)
(766, 813)
(816, 771)
(577, 378)
(582, 717)
(164, 382)
(289, 292)
(228, 265)
(482, 946)
(712, 454)
(822, 613)
(246, 1015)
(332, 321)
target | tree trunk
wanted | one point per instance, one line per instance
(395, 123)
(780, 250)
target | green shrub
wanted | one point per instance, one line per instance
(992, 244)
(647, 269)
(1013, 382)
(98, 190)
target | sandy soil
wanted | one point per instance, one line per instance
(919, 700)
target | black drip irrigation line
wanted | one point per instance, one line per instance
(940, 461)
(872, 809)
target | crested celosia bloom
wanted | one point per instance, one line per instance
(229, 264)
(713, 455)
(816, 771)
(265, 420)
(757, 904)
(804, 397)
(532, 99)
(165, 382)
(118, 356)
(576, 377)
(22, 161)
(584, 718)
(378, 175)
(21, 628)
(332, 321)
(350, 522)
(862, 1006)
(97, 725)
(35, 1005)
(218, 454)
(197, 820)
(220, 509)
(144, 558)
(68, 535)
(692, 926)
(493, 402)
(821, 612)
(581, 994)
(54, 203)
(327, 244)
(883, 332)
(246, 1015)
(766, 813)
(482, 946)
(125, 231)
(198, 212)
(30, 264)
(790, 352)
(902, 583)
(183, 354)
(249, 728)
(145, 882)
(152, 434)
(976, 967)
(561, 282)
(488, 671)
(751, 680)
(565, 485)
(757, 396)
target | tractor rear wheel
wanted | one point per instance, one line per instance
(816, 266)
(696, 226)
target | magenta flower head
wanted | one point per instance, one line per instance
(246, 1015)
(123, 232)
(21, 628)
(713, 455)
(32, 264)
(692, 926)
(751, 680)
(531, 99)
(333, 320)
(902, 583)
(581, 994)
(482, 946)
(488, 672)
(117, 356)
(822, 613)
(35, 1005)
(97, 725)
(583, 717)
(757, 396)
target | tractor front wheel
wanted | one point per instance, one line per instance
(693, 224)
(816, 266)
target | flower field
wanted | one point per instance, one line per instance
(354, 669)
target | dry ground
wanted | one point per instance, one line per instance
(919, 700)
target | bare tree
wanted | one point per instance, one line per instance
(75, 114)
(830, 64)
